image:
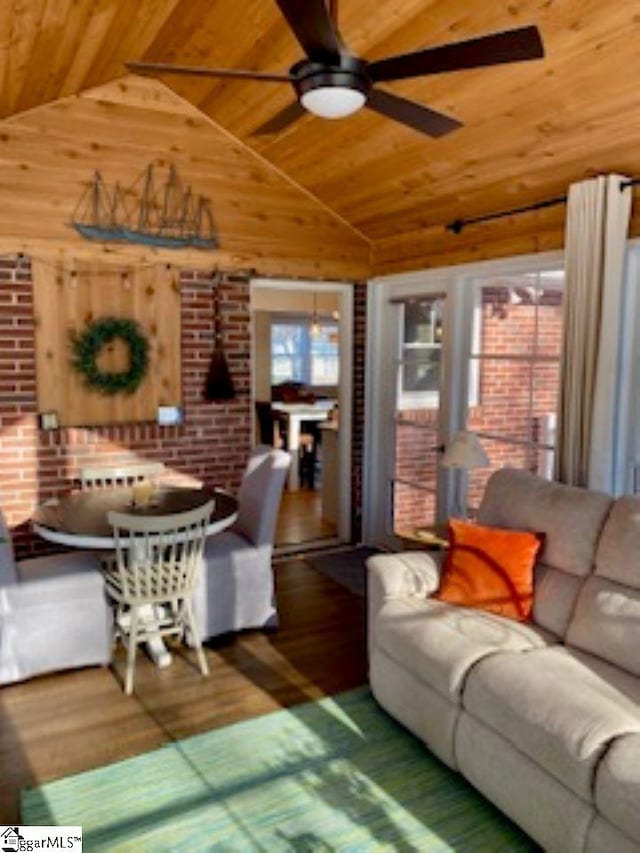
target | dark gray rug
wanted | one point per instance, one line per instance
(346, 567)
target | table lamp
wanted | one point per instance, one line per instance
(464, 452)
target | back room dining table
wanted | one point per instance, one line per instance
(80, 520)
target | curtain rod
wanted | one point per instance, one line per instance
(458, 224)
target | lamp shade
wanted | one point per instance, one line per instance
(333, 101)
(465, 451)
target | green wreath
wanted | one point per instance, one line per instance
(88, 345)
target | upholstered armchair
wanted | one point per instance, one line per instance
(236, 587)
(53, 612)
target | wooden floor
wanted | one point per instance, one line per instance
(60, 724)
(300, 518)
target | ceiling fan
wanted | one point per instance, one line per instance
(331, 82)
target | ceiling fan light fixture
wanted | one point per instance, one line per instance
(333, 101)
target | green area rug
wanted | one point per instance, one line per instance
(333, 775)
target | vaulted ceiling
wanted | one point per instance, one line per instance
(529, 129)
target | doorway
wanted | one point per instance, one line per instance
(301, 390)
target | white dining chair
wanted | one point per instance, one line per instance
(104, 476)
(53, 612)
(236, 589)
(157, 562)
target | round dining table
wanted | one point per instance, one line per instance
(80, 520)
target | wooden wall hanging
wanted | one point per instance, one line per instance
(67, 299)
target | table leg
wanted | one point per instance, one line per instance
(156, 648)
(293, 446)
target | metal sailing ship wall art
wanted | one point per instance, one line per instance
(170, 216)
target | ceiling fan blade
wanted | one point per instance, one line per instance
(414, 115)
(281, 120)
(153, 68)
(509, 46)
(314, 28)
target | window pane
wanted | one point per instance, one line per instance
(549, 340)
(416, 453)
(286, 338)
(423, 321)
(508, 320)
(520, 315)
(286, 368)
(413, 509)
(324, 355)
(289, 352)
(505, 399)
(501, 454)
(421, 370)
(419, 357)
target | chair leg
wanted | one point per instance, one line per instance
(195, 635)
(131, 651)
(116, 630)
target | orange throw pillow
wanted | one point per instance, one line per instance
(490, 568)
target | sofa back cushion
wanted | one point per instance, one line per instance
(8, 574)
(570, 520)
(606, 621)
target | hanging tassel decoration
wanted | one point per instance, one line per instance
(219, 384)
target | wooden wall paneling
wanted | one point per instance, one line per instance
(265, 221)
(537, 231)
(69, 297)
(436, 246)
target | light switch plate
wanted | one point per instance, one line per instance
(170, 415)
(49, 420)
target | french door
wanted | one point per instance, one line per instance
(415, 479)
(474, 347)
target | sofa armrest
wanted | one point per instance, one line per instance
(409, 574)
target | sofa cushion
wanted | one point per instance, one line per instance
(440, 643)
(606, 623)
(570, 518)
(603, 837)
(545, 808)
(555, 595)
(490, 568)
(618, 785)
(7, 559)
(620, 539)
(559, 706)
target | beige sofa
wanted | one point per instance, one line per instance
(543, 718)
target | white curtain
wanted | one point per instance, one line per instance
(598, 213)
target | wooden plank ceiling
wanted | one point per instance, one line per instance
(530, 129)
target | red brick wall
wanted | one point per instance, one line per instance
(212, 445)
(357, 433)
(214, 441)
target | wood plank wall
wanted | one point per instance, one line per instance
(527, 233)
(69, 297)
